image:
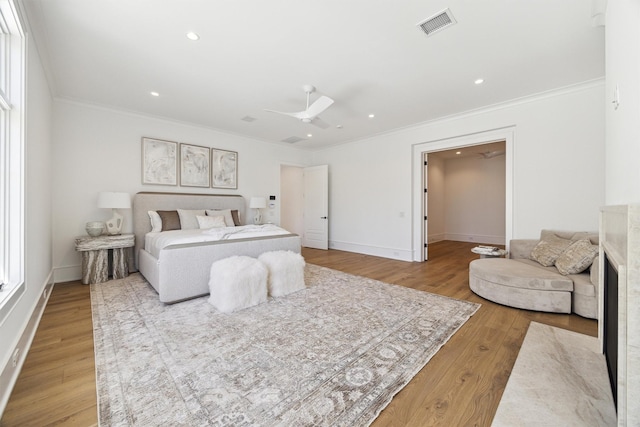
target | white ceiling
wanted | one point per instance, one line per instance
(368, 55)
(494, 149)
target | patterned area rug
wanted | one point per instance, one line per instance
(333, 354)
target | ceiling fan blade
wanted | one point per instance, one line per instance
(298, 115)
(320, 123)
(319, 106)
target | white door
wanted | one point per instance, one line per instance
(425, 209)
(316, 207)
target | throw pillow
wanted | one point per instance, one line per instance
(188, 219)
(226, 213)
(156, 222)
(236, 217)
(548, 249)
(577, 257)
(207, 221)
(170, 220)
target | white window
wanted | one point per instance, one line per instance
(12, 118)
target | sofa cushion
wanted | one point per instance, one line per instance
(549, 249)
(577, 257)
(517, 274)
(582, 285)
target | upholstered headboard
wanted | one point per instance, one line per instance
(148, 201)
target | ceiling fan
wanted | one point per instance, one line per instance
(491, 154)
(310, 115)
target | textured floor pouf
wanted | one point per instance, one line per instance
(286, 272)
(237, 282)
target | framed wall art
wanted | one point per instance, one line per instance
(159, 162)
(194, 166)
(224, 168)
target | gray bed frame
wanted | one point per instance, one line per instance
(182, 271)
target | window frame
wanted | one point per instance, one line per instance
(13, 48)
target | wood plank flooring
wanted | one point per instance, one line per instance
(460, 386)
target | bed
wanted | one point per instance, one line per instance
(180, 271)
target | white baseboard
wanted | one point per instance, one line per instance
(67, 274)
(436, 237)
(476, 238)
(9, 373)
(392, 253)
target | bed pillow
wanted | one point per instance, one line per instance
(188, 220)
(226, 213)
(156, 222)
(577, 257)
(549, 248)
(170, 220)
(236, 217)
(211, 221)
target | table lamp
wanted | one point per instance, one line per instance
(258, 203)
(109, 199)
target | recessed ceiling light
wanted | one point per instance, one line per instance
(371, 116)
(154, 93)
(479, 81)
(338, 126)
(458, 152)
(193, 36)
(309, 135)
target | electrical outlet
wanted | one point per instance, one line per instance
(14, 358)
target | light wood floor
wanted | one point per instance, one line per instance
(460, 386)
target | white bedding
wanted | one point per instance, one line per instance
(155, 242)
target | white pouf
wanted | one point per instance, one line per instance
(237, 282)
(286, 272)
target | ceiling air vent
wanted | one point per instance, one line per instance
(292, 139)
(437, 22)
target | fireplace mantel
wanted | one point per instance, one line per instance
(620, 242)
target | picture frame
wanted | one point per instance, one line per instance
(195, 162)
(224, 168)
(159, 162)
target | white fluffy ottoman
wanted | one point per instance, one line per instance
(286, 272)
(237, 282)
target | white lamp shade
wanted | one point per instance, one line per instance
(258, 203)
(109, 199)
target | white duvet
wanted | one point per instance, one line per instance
(155, 242)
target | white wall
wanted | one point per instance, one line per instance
(623, 132)
(558, 169)
(17, 329)
(292, 199)
(475, 199)
(98, 149)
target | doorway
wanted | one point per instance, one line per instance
(420, 209)
(465, 201)
(304, 194)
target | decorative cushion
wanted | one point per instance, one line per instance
(156, 222)
(237, 282)
(236, 217)
(549, 248)
(170, 220)
(188, 220)
(286, 272)
(577, 257)
(226, 213)
(205, 221)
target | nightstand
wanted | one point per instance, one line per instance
(95, 256)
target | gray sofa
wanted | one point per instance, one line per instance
(522, 282)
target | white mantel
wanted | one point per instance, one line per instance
(620, 241)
